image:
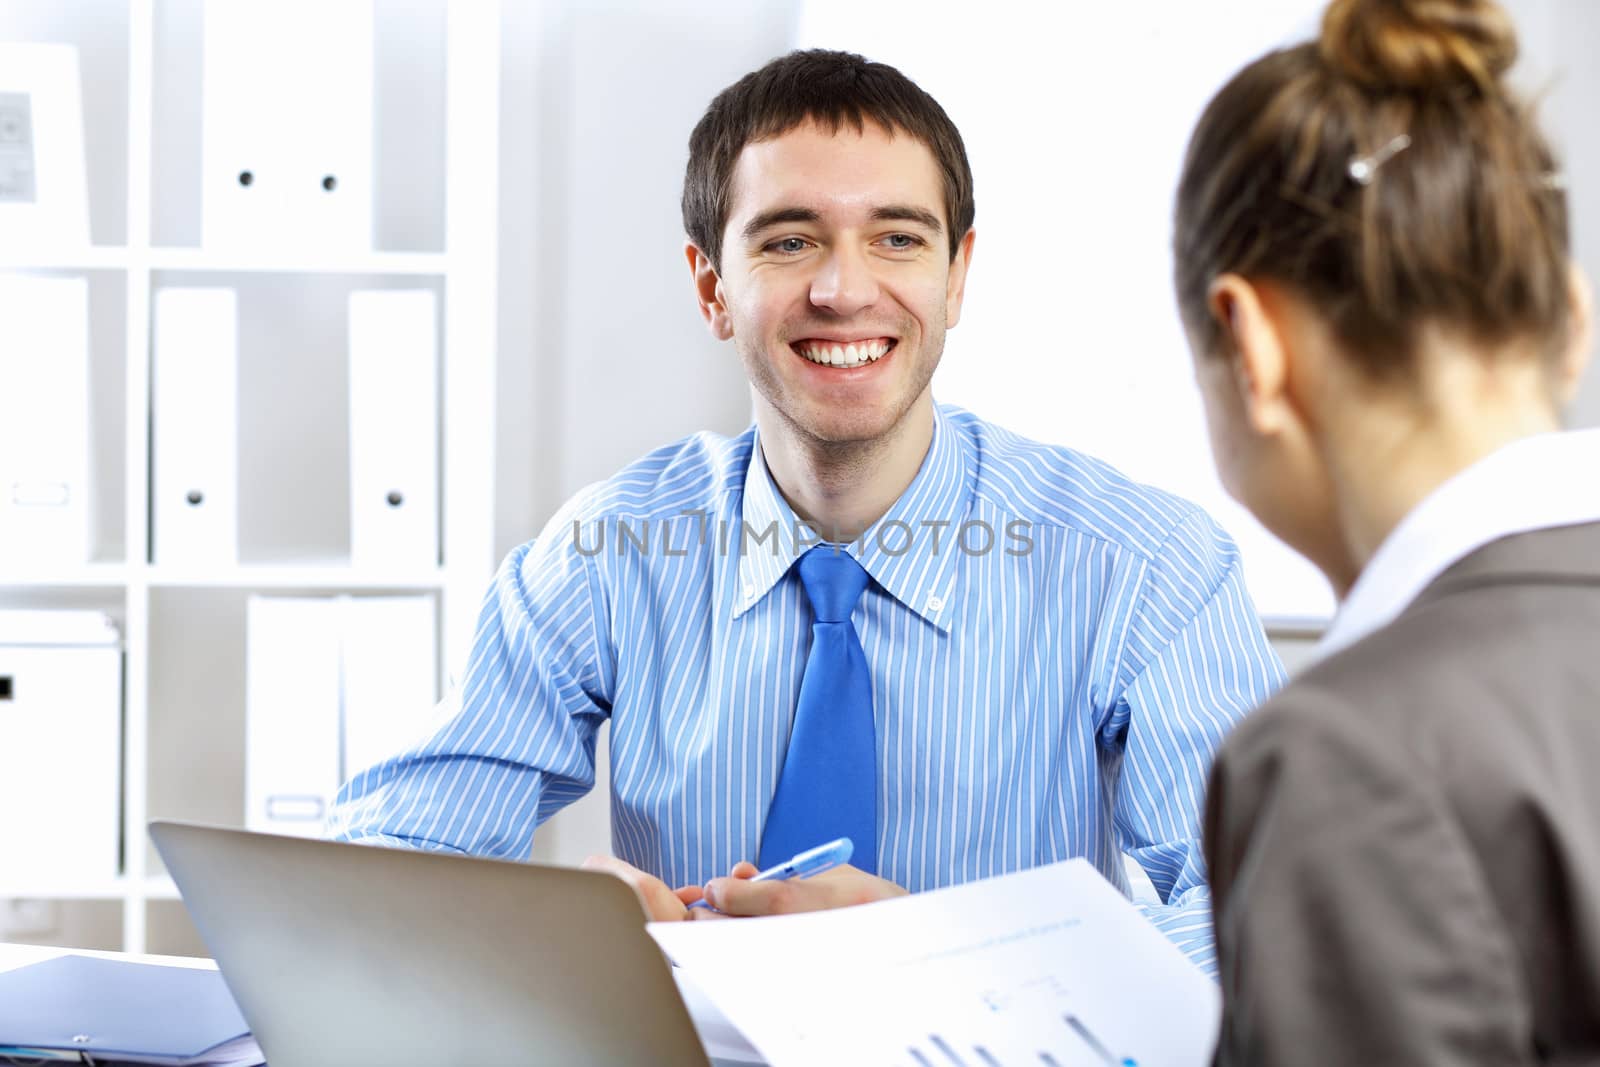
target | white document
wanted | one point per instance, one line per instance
(44, 199)
(394, 429)
(45, 513)
(196, 427)
(1046, 966)
(390, 649)
(723, 1042)
(61, 747)
(292, 695)
(286, 125)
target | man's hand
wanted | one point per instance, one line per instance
(661, 903)
(841, 887)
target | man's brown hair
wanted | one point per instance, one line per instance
(832, 89)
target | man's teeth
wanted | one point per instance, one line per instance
(850, 355)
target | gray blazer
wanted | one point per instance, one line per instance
(1404, 843)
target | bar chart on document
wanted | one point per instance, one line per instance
(1030, 1018)
(1050, 966)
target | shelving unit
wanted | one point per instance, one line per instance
(331, 576)
(139, 223)
(196, 259)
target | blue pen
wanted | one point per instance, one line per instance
(811, 861)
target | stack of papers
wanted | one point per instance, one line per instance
(1050, 966)
(72, 1006)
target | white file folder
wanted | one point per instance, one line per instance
(45, 512)
(394, 429)
(286, 124)
(195, 496)
(292, 683)
(390, 679)
(60, 746)
(334, 684)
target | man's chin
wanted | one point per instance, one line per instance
(863, 431)
(838, 422)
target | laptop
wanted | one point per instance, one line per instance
(353, 954)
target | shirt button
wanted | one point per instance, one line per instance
(935, 604)
(749, 590)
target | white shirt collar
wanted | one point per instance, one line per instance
(1548, 480)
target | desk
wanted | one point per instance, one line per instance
(723, 1043)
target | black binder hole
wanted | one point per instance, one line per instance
(195, 497)
(5, 687)
(245, 178)
(330, 183)
(395, 499)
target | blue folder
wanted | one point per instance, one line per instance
(117, 1010)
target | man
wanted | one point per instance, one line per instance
(1007, 654)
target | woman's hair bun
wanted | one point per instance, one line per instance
(1419, 46)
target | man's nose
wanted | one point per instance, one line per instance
(845, 282)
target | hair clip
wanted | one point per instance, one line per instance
(1555, 180)
(1362, 168)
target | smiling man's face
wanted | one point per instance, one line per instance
(837, 284)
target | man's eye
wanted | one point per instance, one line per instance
(903, 242)
(789, 245)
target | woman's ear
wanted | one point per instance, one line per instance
(1580, 334)
(1254, 342)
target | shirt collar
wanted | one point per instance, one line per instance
(1531, 484)
(912, 551)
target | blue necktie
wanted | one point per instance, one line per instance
(829, 784)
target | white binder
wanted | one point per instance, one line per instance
(390, 679)
(334, 684)
(291, 713)
(60, 746)
(394, 429)
(44, 200)
(45, 512)
(286, 125)
(195, 491)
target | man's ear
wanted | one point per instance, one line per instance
(1254, 346)
(956, 287)
(708, 291)
(1580, 333)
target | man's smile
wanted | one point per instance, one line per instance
(844, 353)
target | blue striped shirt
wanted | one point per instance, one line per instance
(1056, 652)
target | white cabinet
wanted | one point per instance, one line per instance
(434, 201)
(60, 748)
